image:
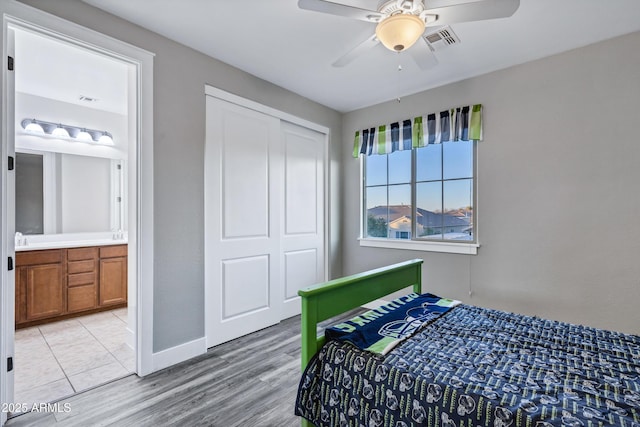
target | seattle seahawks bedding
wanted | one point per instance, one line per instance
(381, 329)
(479, 367)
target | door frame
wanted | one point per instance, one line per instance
(284, 116)
(140, 219)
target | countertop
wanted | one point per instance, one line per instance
(71, 240)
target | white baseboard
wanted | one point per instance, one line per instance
(180, 353)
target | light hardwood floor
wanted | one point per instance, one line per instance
(250, 381)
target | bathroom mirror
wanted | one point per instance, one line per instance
(60, 193)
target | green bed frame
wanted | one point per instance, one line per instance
(326, 300)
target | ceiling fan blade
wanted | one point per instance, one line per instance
(340, 10)
(474, 11)
(356, 51)
(423, 55)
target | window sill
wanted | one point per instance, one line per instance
(413, 245)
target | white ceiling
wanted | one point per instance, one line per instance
(294, 48)
(52, 69)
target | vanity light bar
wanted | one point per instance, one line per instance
(58, 130)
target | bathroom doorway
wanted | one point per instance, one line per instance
(103, 272)
(72, 142)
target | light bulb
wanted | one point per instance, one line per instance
(105, 139)
(60, 132)
(83, 135)
(34, 127)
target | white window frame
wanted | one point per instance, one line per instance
(452, 247)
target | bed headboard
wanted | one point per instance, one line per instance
(325, 300)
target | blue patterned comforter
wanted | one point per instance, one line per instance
(479, 367)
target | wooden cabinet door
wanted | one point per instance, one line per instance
(113, 281)
(44, 291)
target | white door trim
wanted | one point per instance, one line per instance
(284, 116)
(7, 279)
(141, 225)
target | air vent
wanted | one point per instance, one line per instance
(441, 38)
(88, 99)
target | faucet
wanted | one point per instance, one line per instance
(19, 240)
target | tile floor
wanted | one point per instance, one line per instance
(60, 359)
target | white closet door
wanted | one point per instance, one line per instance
(243, 185)
(302, 227)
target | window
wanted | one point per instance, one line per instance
(424, 195)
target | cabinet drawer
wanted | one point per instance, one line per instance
(79, 254)
(81, 279)
(113, 251)
(88, 266)
(81, 298)
(54, 256)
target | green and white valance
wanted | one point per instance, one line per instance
(456, 124)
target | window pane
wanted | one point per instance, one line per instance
(377, 212)
(458, 206)
(458, 159)
(400, 195)
(400, 211)
(400, 167)
(376, 167)
(429, 163)
(429, 210)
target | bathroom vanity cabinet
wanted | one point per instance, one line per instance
(54, 284)
(113, 275)
(40, 285)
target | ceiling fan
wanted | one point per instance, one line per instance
(401, 23)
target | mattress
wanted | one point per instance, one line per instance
(479, 367)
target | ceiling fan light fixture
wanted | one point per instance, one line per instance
(399, 32)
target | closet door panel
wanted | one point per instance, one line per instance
(244, 168)
(243, 175)
(303, 233)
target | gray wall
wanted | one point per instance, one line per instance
(180, 75)
(558, 199)
(557, 206)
